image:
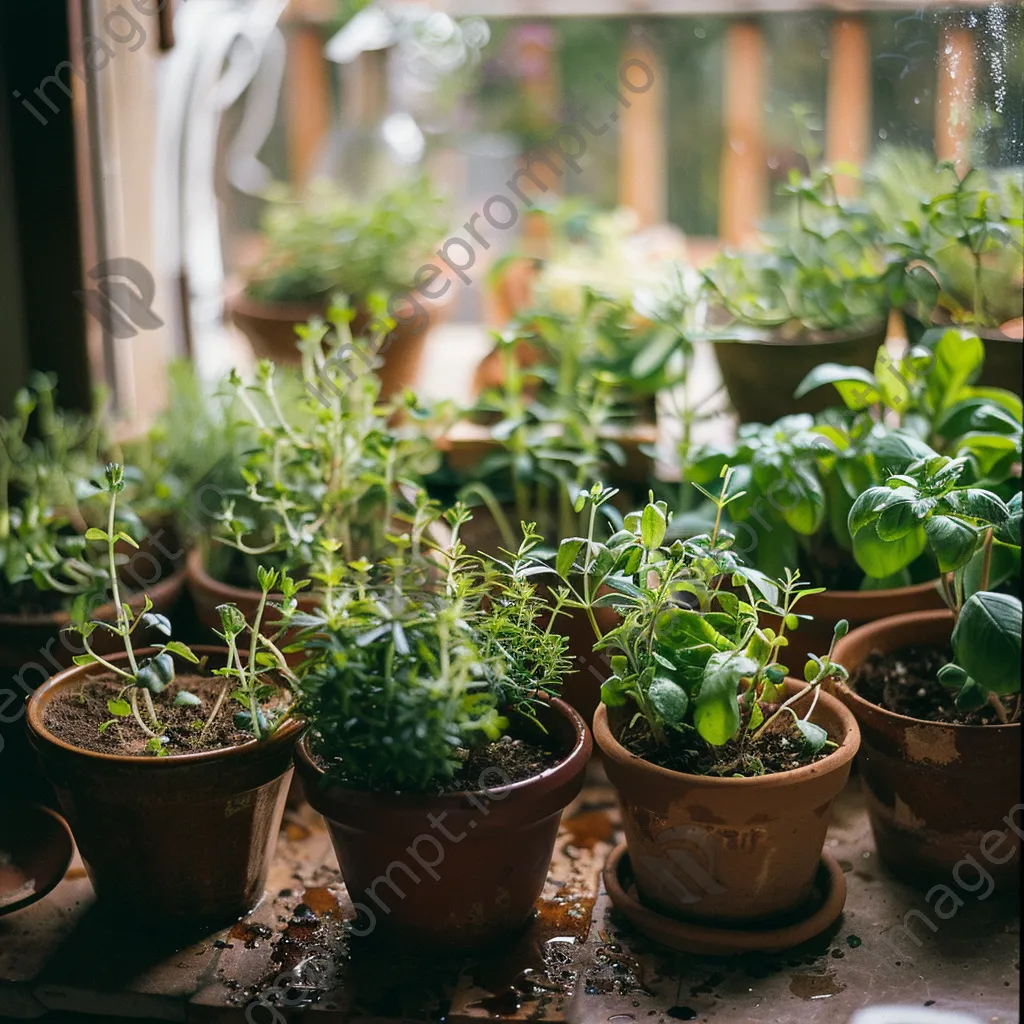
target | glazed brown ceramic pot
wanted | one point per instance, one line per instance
(727, 850)
(761, 376)
(858, 607)
(1004, 354)
(460, 870)
(935, 792)
(185, 839)
(270, 329)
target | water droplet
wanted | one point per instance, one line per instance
(621, 1018)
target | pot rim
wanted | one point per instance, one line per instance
(198, 576)
(241, 302)
(612, 748)
(575, 760)
(806, 337)
(58, 619)
(985, 333)
(836, 596)
(880, 626)
(70, 676)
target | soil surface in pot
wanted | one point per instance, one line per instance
(778, 750)
(76, 718)
(514, 759)
(905, 682)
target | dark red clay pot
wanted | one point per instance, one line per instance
(460, 870)
(183, 840)
(858, 607)
(934, 791)
(727, 850)
(270, 328)
(761, 376)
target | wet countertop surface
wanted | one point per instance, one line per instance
(578, 962)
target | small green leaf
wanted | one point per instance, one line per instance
(94, 533)
(177, 647)
(986, 641)
(652, 526)
(814, 736)
(119, 708)
(184, 698)
(669, 700)
(568, 549)
(716, 713)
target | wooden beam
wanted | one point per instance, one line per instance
(308, 97)
(954, 96)
(848, 110)
(743, 177)
(642, 132)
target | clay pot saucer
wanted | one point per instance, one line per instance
(40, 849)
(689, 937)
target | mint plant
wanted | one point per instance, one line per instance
(691, 653)
(147, 676)
(975, 538)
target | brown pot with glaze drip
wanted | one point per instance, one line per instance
(728, 851)
(858, 607)
(184, 840)
(934, 790)
(459, 870)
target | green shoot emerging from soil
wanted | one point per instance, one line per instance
(148, 676)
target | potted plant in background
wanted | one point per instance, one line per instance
(801, 475)
(327, 244)
(435, 741)
(325, 461)
(174, 801)
(48, 573)
(817, 291)
(719, 760)
(961, 242)
(937, 694)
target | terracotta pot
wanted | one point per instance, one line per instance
(761, 376)
(459, 870)
(857, 607)
(727, 850)
(32, 648)
(270, 328)
(183, 840)
(207, 593)
(1004, 354)
(511, 291)
(934, 791)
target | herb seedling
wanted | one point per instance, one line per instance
(691, 655)
(147, 676)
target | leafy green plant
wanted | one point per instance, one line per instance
(414, 660)
(326, 462)
(975, 537)
(958, 240)
(246, 674)
(801, 475)
(150, 675)
(690, 652)
(46, 459)
(821, 270)
(328, 241)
